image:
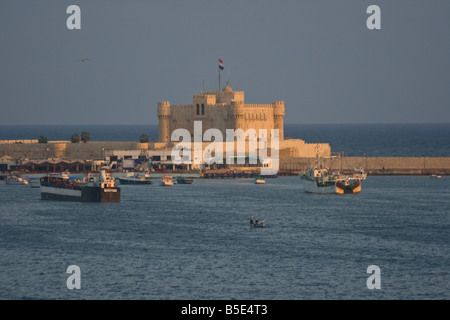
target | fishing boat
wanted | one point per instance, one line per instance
(360, 173)
(183, 180)
(96, 187)
(34, 182)
(16, 179)
(257, 224)
(435, 176)
(138, 178)
(320, 181)
(260, 180)
(167, 181)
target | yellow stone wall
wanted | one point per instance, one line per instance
(220, 110)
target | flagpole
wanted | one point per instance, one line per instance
(219, 77)
(220, 68)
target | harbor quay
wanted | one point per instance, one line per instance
(120, 156)
(123, 156)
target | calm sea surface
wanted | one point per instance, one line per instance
(194, 242)
(395, 140)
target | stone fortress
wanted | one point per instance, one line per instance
(221, 110)
(226, 109)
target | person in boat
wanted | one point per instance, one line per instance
(251, 221)
(256, 222)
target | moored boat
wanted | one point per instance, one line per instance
(16, 179)
(360, 173)
(184, 180)
(348, 185)
(320, 181)
(138, 178)
(167, 181)
(34, 182)
(100, 187)
(260, 180)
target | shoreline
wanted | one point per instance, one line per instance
(244, 174)
(58, 156)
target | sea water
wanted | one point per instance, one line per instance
(195, 242)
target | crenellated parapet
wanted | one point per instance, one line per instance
(164, 120)
(163, 109)
(278, 117)
(278, 108)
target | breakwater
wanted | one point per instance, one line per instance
(372, 165)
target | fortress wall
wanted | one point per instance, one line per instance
(298, 148)
(256, 116)
(67, 150)
(217, 117)
(93, 150)
(29, 151)
(180, 116)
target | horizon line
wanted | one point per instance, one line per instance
(296, 123)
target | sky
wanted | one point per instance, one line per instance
(318, 56)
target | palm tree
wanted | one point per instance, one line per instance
(85, 136)
(143, 138)
(75, 138)
(42, 139)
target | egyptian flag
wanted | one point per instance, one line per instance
(220, 64)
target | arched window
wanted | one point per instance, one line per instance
(198, 109)
(203, 109)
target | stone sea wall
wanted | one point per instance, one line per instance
(373, 165)
(290, 162)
